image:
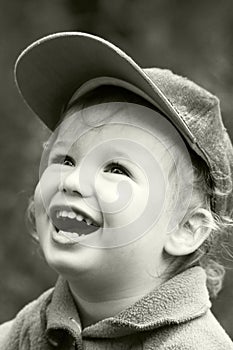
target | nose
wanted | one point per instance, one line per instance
(71, 184)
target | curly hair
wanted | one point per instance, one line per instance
(210, 254)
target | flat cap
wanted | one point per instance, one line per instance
(52, 69)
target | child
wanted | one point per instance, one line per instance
(133, 199)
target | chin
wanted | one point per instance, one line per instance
(72, 261)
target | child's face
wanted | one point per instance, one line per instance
(115, 178)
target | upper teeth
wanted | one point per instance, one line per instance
(72, 215)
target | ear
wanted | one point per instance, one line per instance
(190, 234)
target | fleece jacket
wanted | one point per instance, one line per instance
(175, 316)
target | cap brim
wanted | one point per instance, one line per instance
(50, 70)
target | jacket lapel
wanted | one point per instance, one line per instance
(182, 298)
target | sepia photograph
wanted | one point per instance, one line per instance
(116, 175)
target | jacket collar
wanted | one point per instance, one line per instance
(182, 298)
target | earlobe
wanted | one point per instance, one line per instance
(189, 235)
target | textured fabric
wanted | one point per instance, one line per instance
(201, 112)
(176, 316)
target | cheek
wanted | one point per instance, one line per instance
(121, 200)
(107, 188)
(39, 206)
(40, 213)
(45, 190)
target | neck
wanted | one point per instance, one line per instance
(97, 306)
(117, 278)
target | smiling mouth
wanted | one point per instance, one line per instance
(72, 225)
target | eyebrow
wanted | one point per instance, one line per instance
(112, 151)
(58, 143)
(118, 153)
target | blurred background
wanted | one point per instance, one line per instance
(194, 38)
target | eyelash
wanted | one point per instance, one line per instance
(60, 159)
(119, 166)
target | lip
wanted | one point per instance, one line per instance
(80, 232)
(66, 238)
(68, 233)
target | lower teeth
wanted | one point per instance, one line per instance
(71, 234)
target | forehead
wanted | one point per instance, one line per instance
(116, 120)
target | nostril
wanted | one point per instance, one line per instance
(76, 192)
(71, 191)
(61, 188)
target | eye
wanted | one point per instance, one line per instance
(63, 160)
(116, 168)
(68, 161)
